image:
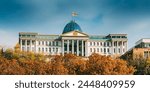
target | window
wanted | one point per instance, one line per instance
(101, 50)
(53, 49)
(94, 43)
(42, 42)
(49, 49)
(46, 43)
(56, 49)
(23, 42)
(91, 49)
(42, 49)
(53, 43)
(90, 43)
(97, 49)
(39, 43)
(94, 50)
(108, 50)
(114, 50)
(28, 42)
(97, 43)
(57, 43)
(119, 50)
(104, 44)
(33, 42)
(104, 50)
(50, 44)
(107, 43)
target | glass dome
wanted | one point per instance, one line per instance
(72, 26)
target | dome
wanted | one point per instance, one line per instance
(72, 26)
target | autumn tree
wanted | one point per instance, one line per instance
(103, 65)
(75, 65)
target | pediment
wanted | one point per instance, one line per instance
(75, 34)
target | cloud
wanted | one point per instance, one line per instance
(8, 39)
(95, 17)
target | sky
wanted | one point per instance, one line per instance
(101, 17)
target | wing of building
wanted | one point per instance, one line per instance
(73, 40)
(139, 51)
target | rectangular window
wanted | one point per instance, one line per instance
(108, 50)
(90, 43)
(39, 43)
(53, 49)
(97, 49)
(53, 43)
(46, 43)
(97, 43)
(50, 44)
(56, 49)
(46, 49)
(49, 49)
(107, 43)
(39, 49)
(42, 49)
(114, 50)
(28, 42)
(91, 49)
(104, 50)
(104, 44)
(57, 43)
(94, 43)
(119, 50)
(42, 42)
(23, 42)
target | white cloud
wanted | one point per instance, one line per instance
(8, 39)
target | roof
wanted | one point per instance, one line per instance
(99, 37)
(72, 26)
(144, 40)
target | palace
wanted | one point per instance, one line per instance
(73, 40)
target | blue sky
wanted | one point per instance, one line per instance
(101, 17)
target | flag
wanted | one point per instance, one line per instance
(74, 14)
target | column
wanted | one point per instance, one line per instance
(25, 45)
(31, 45)
(82, 48)
(35, 46)
(63, 47)
(121, 47)
(72, 46)
(21, 44)
(67, 46)
(86, 48)
(126, 46)
(112, 50)
(77, 47)
(117, 48)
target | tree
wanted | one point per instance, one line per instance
(103, 65)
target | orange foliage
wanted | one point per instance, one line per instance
(22, 63)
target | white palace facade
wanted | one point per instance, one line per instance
(73, 40)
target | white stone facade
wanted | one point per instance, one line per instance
(74, 42)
